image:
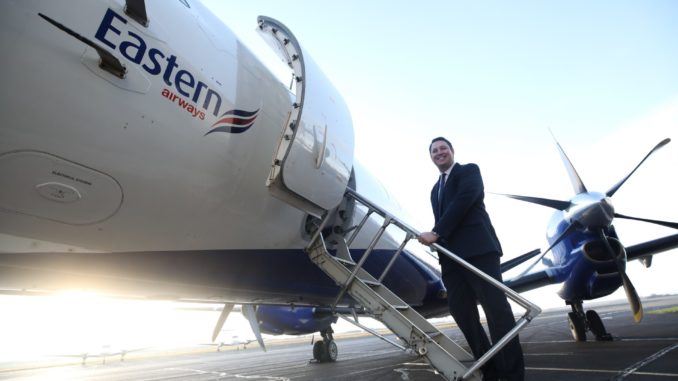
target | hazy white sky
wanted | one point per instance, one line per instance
(494, 77)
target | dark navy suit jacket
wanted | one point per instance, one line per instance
(463, 225)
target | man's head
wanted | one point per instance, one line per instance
(442, 153)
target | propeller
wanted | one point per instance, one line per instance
(555, 204)
(250, 314)
(567, 231)
(508, 265)
(631, 294)
(228, 307)
(657, 222)
(585, 218)
(575, 180)
(616, 187)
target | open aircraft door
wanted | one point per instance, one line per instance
(312, 165)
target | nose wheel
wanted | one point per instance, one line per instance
(577, 326)
(580, 322)
(596, 326)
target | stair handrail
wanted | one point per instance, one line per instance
(531, 309)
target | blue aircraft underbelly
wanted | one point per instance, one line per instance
(253, 276)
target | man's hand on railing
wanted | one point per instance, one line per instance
(427, 238)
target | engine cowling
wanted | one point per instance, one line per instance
(286, 320)
(594, 273)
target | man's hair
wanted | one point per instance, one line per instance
(440, 138)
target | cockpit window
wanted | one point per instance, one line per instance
(185, 2)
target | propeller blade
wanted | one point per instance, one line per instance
(228, 307)
(557, 241)
(631, 294)
(575, 180)
(555, 204)
(633, 298)
(250, 314)
(658, 222)
(616, 187)
(508, 265)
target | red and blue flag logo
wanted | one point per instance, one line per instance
(234, 121)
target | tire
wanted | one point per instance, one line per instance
(577, 326)
(318, 349)
(596, 326)
(331, 352)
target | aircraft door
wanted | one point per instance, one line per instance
(314, 157)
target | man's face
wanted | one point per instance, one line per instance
(442, 155)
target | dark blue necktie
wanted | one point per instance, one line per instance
(441, 185)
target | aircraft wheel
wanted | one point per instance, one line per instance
(325, 351)
(318, 348)
(331, 352)
(577, 326)
(597, 327)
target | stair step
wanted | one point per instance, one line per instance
(345, 262)
(372, 283)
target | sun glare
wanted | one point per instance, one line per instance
(77, 322)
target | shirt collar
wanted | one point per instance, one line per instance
(447, 173)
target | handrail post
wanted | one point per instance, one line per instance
(359, 227)
(324, 222)
(358, 266)
(395, 256)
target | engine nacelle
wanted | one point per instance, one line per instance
(595, 272)
(286, 320)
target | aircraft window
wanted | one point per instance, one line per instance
(185, 2)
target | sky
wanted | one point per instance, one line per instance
(500, 80)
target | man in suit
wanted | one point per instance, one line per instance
(463, 226)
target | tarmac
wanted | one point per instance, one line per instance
(639, 351)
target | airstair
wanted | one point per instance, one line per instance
(448, 358)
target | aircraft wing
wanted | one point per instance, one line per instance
(530, 281)
(652, 247)
(544, 277)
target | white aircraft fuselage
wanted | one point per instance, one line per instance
(176, 156)
(128, 164)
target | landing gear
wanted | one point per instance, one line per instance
(581, 322)
(325, 350)
(596, 326)
(577, 326)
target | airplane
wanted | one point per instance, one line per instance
(234, 340)
(588, 256)
(104, 352)
(144, 160)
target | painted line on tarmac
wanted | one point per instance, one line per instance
(224, 374)
(632, 369)
(614, 341)
(582, 370)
